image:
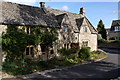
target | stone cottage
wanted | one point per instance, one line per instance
(74, 30)
(114, 31)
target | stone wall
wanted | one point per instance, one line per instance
(87, 36)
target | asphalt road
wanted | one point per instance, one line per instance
(107, 68)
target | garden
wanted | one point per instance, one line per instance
(68, 57)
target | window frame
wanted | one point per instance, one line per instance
(85, 43)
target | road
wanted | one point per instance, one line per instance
(107, 68)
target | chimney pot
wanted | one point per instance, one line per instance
(42, 4)
(82, 11)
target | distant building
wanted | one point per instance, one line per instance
(113, 33)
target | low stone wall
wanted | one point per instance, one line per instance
(109, 45)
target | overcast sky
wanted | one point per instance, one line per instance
(107, 10)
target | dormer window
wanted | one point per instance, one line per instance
(85, 29)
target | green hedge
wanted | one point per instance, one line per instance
(84, 53)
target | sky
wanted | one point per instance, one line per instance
(107, 11)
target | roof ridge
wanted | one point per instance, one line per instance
(62, 11)
(21, 4)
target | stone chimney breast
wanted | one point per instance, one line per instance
(82, 11)
(42, 4)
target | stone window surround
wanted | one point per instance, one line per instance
(85, 43)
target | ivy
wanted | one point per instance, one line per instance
(15, 40)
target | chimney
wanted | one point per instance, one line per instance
(42, 4)
(82, 11)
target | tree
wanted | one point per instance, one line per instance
(101, 29)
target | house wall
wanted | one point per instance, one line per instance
(3, 28)
(88, 36)
(114, 34)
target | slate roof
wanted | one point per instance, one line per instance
(60, 18)
(19, 14)
(72, 16)
(75, 19)
(116, 23)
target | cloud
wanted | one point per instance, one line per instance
(66, 8)
(115, 12)
(27, 2)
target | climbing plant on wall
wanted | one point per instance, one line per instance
(15, 40)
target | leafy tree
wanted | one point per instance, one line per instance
(101, 29)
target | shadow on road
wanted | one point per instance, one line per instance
(102, 70)
(111, 51)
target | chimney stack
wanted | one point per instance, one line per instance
(42, 4)
(82, 11)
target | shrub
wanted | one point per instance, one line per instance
(67, 52)
(16, 68)
(84, 53)
(112, 38)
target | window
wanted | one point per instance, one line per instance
(51, 52)
(30, 51)
(85, 43)
(85, 29)
(27, 30)
(27, 51)
(117, 38)
(65, 28)
(43, 48)
(66, 46)
(117, 28)
(31, 30)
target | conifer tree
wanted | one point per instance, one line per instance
(101, 29)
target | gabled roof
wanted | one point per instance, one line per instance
(72, 17)
(83, 20)
(93, 30)
(115, 23)
(79, 22)
(18, 14)
(75, 19)
(62, 17)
